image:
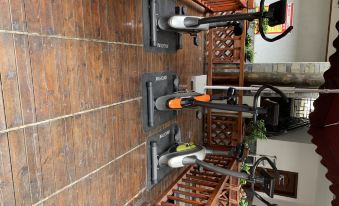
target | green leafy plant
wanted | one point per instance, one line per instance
(249, 51)
(265, 25)
(243, 202)
(255, 131)
(244, 168)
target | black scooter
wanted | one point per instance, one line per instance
(189, 154)
(275, 15)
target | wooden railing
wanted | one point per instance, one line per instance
(224, 52)
(198, 186)
(222, 5)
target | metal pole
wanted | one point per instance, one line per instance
(285, 89)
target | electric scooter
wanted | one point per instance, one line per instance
(192, 25)
(179, 101)
(189, 154)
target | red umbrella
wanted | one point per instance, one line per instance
(325, 123)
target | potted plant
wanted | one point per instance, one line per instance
(253, 132)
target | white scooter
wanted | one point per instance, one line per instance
(275, 15)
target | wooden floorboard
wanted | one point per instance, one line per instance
(62, 58)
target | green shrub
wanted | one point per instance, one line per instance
(255, 131)
(243, 202)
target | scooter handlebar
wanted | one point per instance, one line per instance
(252, 176)
(261, 29)
(280, 36)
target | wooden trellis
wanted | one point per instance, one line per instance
(224, 52)
(200, 186)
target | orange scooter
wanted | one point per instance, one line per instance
(192, 99)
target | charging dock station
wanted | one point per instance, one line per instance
(155, 85)
(155, 39)
(157, 145)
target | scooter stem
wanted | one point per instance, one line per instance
(192, 160)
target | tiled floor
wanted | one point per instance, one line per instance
(70, 101)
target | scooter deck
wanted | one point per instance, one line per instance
(155, 39)
(163, 141)
(161, 102)
(162, 83)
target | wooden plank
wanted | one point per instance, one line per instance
(112, 16)
(65, 143)
(113, 180)
(104, 189)
(100, 137)
(19, 166)
(94, 96)
(116, 72)
(59, 73)
(72, 62)
(96, 19)
(103, 11)
(190, 194)
(83, 83)
(205, 174)
(98, 68)
(33, 161)
(5, 16)
(119, 182)
(79, 129)
(81, 192)
(92, 89)
(12, 108)
(107, 84)
(58, 16)
(110, 135)
(68, 18)
(38, 75)
(199, 189)
(17, 140)
(167, 204)
(42, 113)
(117, 125)
(32, 12)
(54, 57)
(25, 79)
(46, 17)
(11, 96)
(18, 15)
(241, 79)
(87, 19)
(214, 196)
(202, 178)
(204, 183)
(6, 189)
(168, 191)
(192, 202)
(125, 55)
(62, 130)
(137, 11)
(78, 18)
(90, 140)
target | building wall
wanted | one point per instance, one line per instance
(333, 31)
(70, 102)
(300, 158)
(308, 40)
